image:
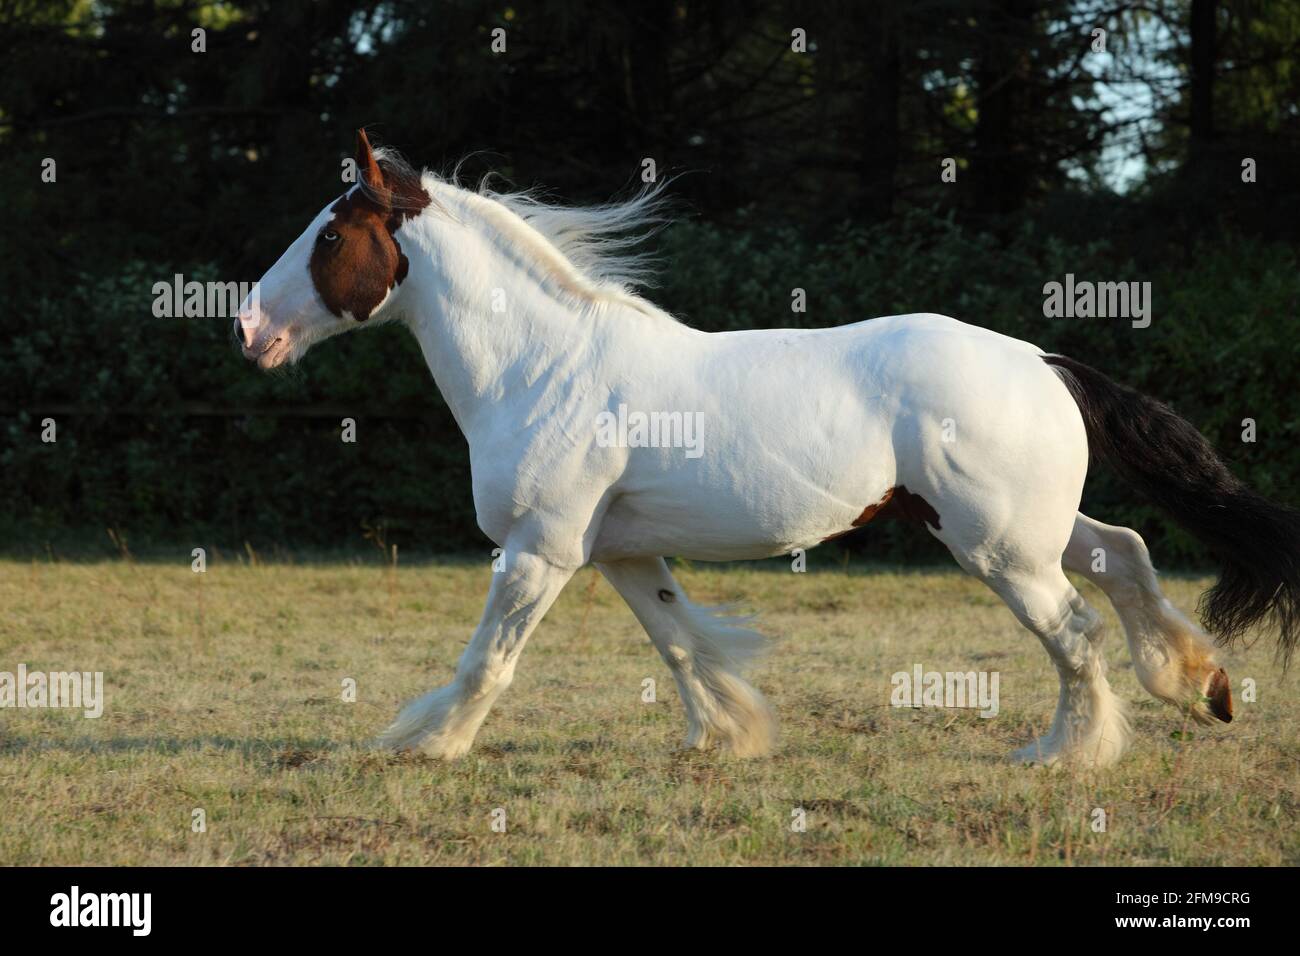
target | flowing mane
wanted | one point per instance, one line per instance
(592, 250)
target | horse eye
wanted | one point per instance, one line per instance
(329, 235)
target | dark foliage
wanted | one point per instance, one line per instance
(816, 169)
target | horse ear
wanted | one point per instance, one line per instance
(368, 167)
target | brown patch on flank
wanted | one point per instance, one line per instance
(870, 511)
(1220, 694)
(899, 503)
(354, 272)
(911, 507)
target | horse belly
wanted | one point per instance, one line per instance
(768, 513)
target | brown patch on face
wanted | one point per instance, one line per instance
(357, 258)
(899, 503)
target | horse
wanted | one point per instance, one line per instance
(528, 316)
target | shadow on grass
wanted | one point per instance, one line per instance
(271, 750)
(275, 754)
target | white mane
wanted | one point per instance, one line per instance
(590, 250)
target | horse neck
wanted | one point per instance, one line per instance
(492, 364)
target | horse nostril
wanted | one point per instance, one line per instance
(246, 326)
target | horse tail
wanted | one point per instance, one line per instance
(1255, 541)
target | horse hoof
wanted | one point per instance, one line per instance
(1036, 755)
(1219, 693)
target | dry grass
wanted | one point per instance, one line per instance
(224, 693)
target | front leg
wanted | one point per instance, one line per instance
(443, 722)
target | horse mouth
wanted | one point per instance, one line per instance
(274, 353)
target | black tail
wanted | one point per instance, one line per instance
(1256, 542)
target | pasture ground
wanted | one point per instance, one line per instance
(224, 693)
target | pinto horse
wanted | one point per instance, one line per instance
(526, 317)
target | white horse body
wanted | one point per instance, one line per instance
(805, 434)
(826, 422)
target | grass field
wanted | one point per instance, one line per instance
(224, 693)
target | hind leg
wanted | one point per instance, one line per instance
(1015, 548)
(704, 653)
(1173, 658)
(1090, 727)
